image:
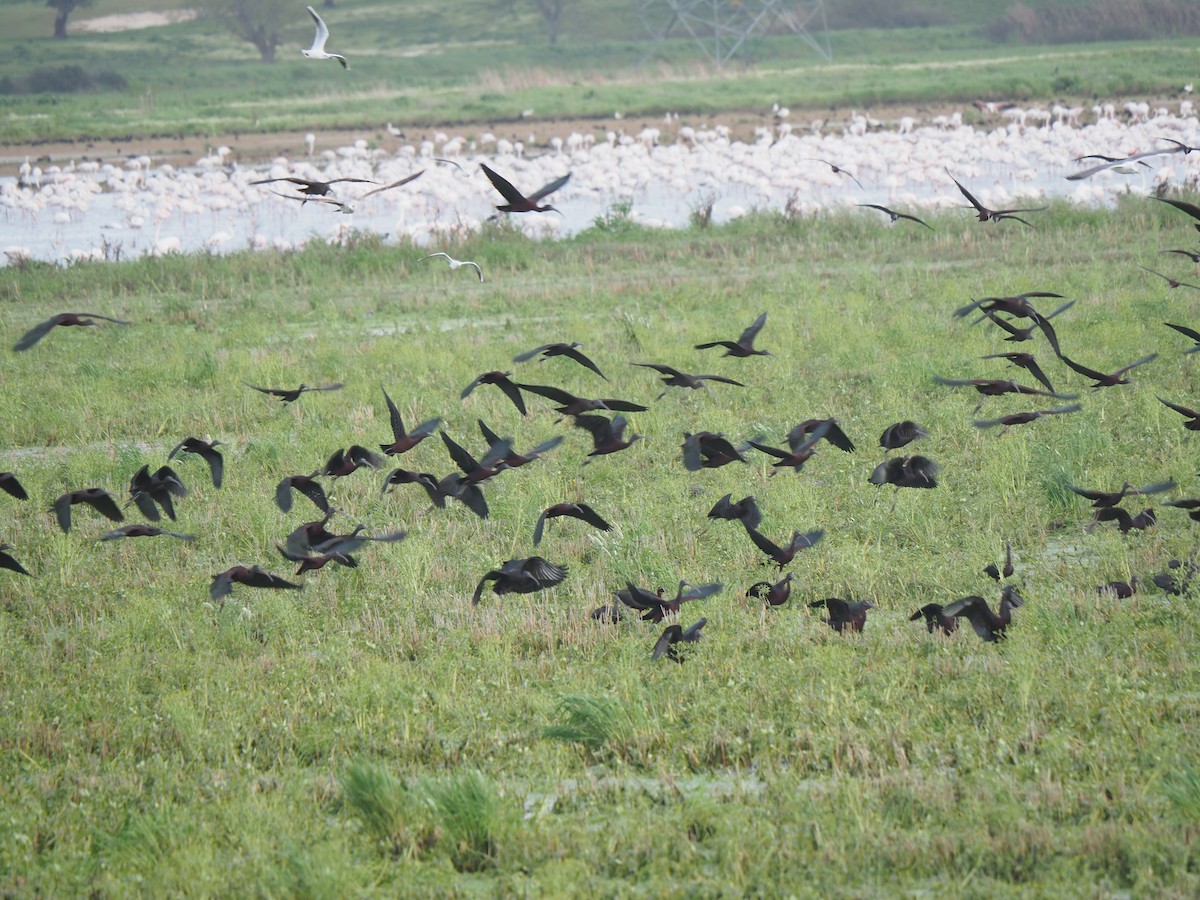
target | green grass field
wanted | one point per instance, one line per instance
(375, 734)
(476, 65)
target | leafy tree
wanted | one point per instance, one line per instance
(551, 11)
(261, 22)
(62, 9)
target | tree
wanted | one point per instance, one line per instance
(261, 22)
(62, 9)
(551, 11)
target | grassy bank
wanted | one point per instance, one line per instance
(474, 69)
(374, 733)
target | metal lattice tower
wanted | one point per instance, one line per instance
(721, 27)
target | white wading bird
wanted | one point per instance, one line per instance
(317, 50)
(455, 263)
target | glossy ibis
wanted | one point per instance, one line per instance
(990, 626)
(476, 471)
(313, 189)
(844, 614)
(675, 378)
(313, 562)
(1042, 323)
(896, 216)
(906, 471)
(935, 618)
(775, 594)
(1120, 590)
(12, 487)
(1126, 522)
(97, 498)
(996, 574)
(307, 486)
(346, 461)
(607, 437)
(994, 215)
(995, 387)
(655, 607)
(1171, 282)
(254, 576)
(150, 490)
(676, 634)
(1023, 418)
(291, 395)
(1192, 416)
(521, 576)
(784, 555)
(402, 440)
(1191, 504)
(901, 434)
(1183, 206)
(570, 405)
(570, 351)
(745, 511)
(206, 450)
(8, 561)
(1107, 380)
(1101, 499)
(580, 511)
(424, 479)
(838, 170)
(1188, 333)
(744, 345)
(820, 428)
(1025, 361)
(706, 450)
(512, 459)
(39, 331)
(518, 202)
(132, 531)
(501, 380)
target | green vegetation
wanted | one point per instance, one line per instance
(376, 734)
(476, 64)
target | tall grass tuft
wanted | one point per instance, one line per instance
(1183, 790)
(144, 842)
(468, 816)
(377, 797)
(591, 721)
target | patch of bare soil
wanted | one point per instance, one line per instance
(132, 21)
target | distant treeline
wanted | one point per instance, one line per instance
(62, 80)
(1111, 20)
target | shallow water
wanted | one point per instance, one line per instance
(108, 212)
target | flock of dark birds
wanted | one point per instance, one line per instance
(312, 546)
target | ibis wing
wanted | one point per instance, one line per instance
(394, 416)
(1082, 369)
(763, 543)
(464, 460)
(583, 360)
(589, 515)
(505, 187)
(548, 189)
(386, 187)
(1185, 331)
(670, 635)
(104, 504)
(35, 334)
